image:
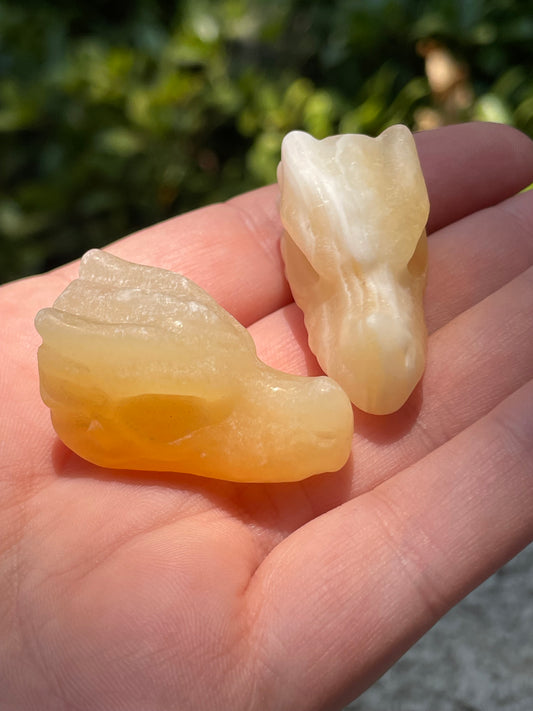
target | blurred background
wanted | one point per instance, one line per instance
(112, 119)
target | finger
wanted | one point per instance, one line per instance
(470, 166)
(353, 589)
(232, 250)
(473, 363)
(468, 261)
(477, 255)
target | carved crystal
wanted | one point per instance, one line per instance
(354, 210)
(142, 369)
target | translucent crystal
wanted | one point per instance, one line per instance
(354, 210)
(143, 370)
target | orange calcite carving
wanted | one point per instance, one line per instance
(355, 209)
(142, 369)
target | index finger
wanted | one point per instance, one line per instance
(232, 249)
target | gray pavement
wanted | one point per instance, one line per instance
(479, 657)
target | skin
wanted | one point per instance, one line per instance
(131, 591)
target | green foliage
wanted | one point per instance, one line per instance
(111, 120)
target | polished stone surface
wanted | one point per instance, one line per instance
(354, 210)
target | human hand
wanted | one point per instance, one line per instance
(128, 591)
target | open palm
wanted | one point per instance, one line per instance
(124, 591)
